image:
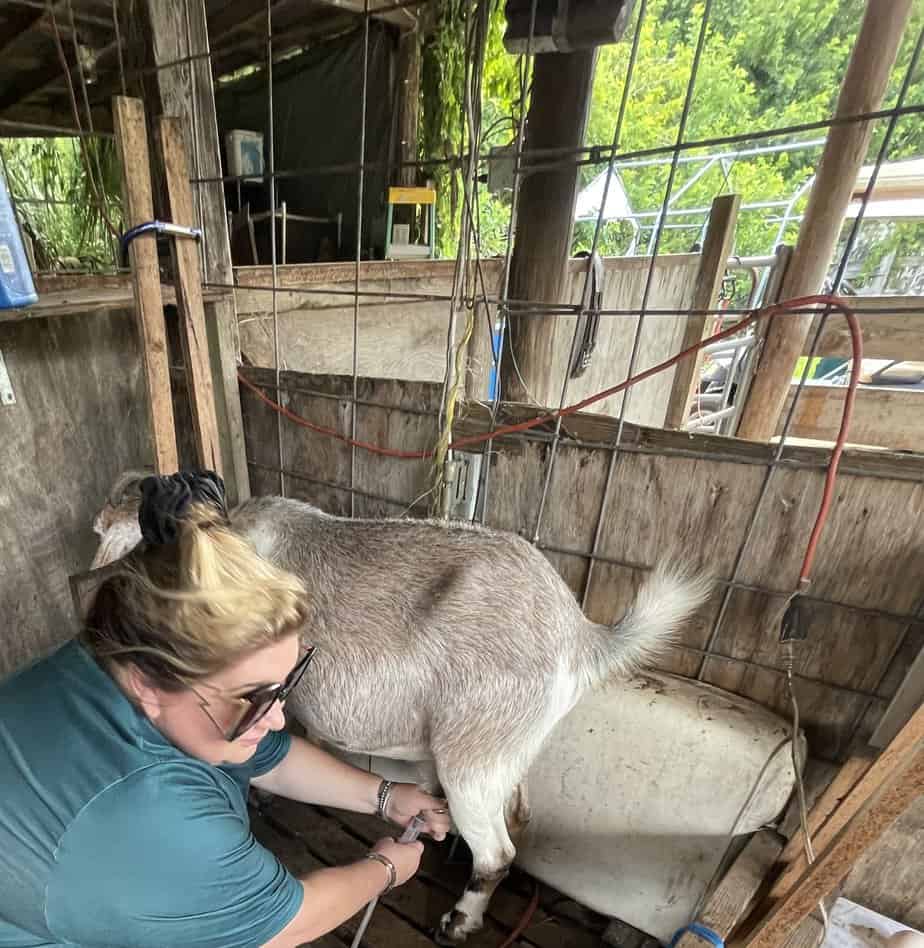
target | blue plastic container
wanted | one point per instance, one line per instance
(16, 286)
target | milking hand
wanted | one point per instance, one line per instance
(408, 836)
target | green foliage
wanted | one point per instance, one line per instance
(442, 81)
(764, 66)
(56, 200)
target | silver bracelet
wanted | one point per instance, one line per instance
(389, 865)
(385, 788)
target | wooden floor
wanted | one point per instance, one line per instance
(307, 838)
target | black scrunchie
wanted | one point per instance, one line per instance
(165, 501)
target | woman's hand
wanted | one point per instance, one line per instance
(405, 802)
(404, 856)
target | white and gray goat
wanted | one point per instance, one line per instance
(445, 644)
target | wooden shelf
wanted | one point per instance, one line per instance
(73, 295)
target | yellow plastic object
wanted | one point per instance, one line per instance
(411, 196)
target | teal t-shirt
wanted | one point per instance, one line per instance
(111, 836)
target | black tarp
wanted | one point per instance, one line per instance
(317, 113)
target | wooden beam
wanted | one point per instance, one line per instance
(895, 792)
(404, 18)
(138, 207)
(863, 90)
(31, 82)
(17, 22)
(193, 332)
(177, 29)
(904, 745)
(589, 430)
(51, 118)
(844, 781)
(732, 897)
(883, 417)
(103, 297)
(558, 111)
(890, 332)
(717, 248)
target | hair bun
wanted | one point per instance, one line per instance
(166, 500)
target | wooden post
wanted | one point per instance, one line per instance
(892, 797)
(138, 208)
(863, 89)
(903, 746)
(717, 248)
(178, 30)
(409, 105)
(189, 296)
(558, 112)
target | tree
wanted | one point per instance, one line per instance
(763, 67)
(56, 202)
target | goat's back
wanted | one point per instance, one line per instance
(424, 587)
(428, 632)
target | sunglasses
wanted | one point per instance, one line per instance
(256, 704)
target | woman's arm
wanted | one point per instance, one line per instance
(310, 775)
(331, 896)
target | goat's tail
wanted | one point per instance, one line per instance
(668, 597)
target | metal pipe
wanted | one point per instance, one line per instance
(736, 345)
(709, 419)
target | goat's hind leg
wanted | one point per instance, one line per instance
(480, 812)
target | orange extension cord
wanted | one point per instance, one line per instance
(833, 302)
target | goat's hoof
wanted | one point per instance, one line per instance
(454, 928)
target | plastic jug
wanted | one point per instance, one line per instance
(16, 286)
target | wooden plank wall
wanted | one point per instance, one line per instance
(406, 339)
(661, 504)
(678, 496)
(884, 416)
(79, 420)
(319, 466)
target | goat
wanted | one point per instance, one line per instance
(444, 643)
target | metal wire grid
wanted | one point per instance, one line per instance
(525, 163)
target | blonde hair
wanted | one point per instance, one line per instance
(182, 611)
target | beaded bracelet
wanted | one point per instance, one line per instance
(389, 865)
(385, 788)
